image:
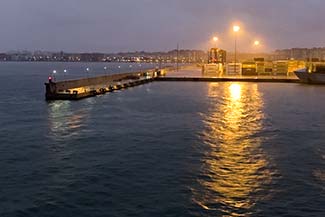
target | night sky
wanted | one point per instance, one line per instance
(158, 25)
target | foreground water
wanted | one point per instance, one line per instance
(161, 149)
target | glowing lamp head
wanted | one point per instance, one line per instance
(54, 71)
(256, 43)
(65, 71)
(50, 78)
(215, 39)
(236, 28)
(87, 69)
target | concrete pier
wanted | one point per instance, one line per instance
(87, 87)
(230, 79)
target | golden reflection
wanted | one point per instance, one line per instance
(234, 170)
(235, 91)
(64, 121)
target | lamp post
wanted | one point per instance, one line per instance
(236, 30)
(257, 43)
(54, 72)
(64, 73)
(87, 70)
(256, 46)
(105, 69)
(215, 39)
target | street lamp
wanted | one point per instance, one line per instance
(64, 72)
(257, 43)
(236, 30)
(54, 72)
(87, 70)
(215, 39)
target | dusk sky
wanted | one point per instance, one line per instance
(158, 25)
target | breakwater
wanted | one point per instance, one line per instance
(92, 86)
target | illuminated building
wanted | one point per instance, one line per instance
(268, 67)
(280, 67)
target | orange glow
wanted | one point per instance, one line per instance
(256, 43)
(236, 28)
(235, 164)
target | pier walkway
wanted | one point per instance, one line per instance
(92, 86)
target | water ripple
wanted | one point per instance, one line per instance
(235, 169)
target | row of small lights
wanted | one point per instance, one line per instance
(87, 70)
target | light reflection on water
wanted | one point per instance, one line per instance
(64, 121)
(235, 170)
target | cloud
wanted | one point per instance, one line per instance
(120, 25)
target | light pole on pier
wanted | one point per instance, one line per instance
(236, 29)
(257, 43)
(87, 71)
(64, 72)
(54, 73)
(105, 69)
(215, 39)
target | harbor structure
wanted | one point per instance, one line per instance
(217, 59)
(92, 86)
(249, 68)
(234, 69)
(217, 55)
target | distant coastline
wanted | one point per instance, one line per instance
(173, 56)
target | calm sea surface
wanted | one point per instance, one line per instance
(161, 149)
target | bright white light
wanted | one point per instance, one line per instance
(236, 28)
(256, 43)
(215, 39)
(87, 69)
(65, 71)
(235, 91)
(105, 67)
(54, 71)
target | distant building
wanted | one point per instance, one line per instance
(300, 54)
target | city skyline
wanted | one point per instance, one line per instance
(120, 26)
